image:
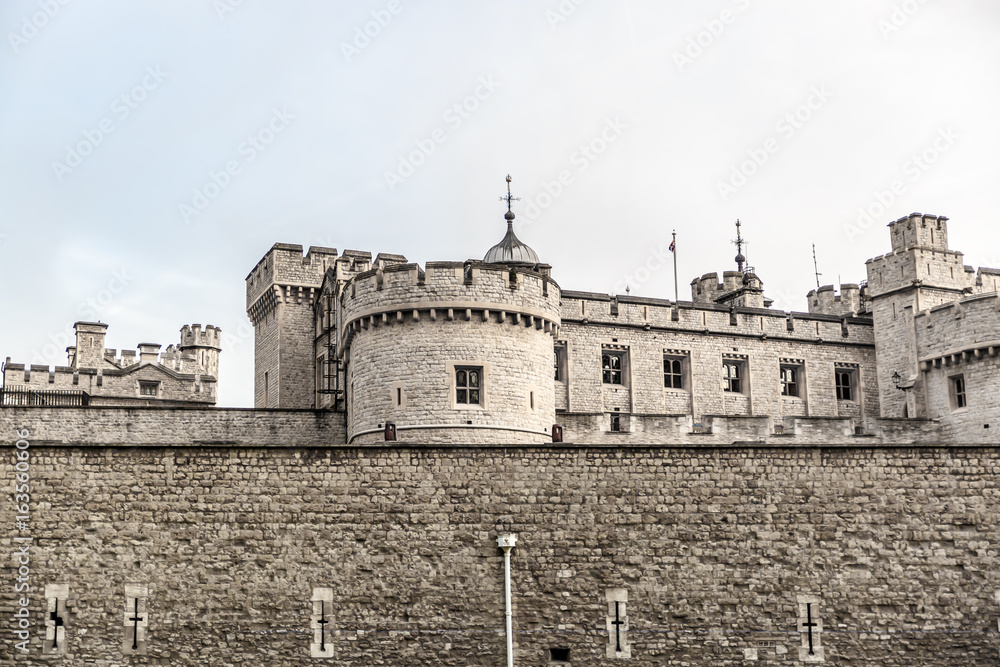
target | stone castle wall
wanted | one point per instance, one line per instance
(176, 387)
(716, 548)
(702, 335)
(405, 330)
(962, 338)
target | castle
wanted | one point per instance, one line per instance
(464, 464)
(906, 356)
(95, 375)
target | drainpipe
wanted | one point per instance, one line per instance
(507, 542)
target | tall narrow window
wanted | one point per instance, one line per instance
(560, 362)
(616, 423)
(673, 373)
(732, 376)
(468, 385)
(789, 381)
(612, 365)
(265, 389)
(844, 379)
(957, 392)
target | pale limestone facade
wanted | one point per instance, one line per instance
(381, 341)
(186, 373)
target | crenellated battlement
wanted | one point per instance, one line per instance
(185, 373)
(713, 319)
(919, 230)
(195, 336)
(826, 301)
(285, 264)
(449, 290)
(708, 289)
(959, 330)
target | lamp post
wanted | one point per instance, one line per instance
(507, 542)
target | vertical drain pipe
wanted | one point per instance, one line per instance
(507, 542)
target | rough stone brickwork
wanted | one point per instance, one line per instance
(406, 330)
(309, 310)
(961, 341)
(826, 301)
(281, 292)
(920, 274)
(187, 373)
(715, 547)
(701, 336)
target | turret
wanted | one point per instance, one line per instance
(89, 351)
(825, 300)
(919, 230)
(201, 347)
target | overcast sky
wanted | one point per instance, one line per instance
(152, 152)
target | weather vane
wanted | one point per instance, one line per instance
(509, 198)
(739, 243)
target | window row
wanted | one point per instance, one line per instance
(614, 371)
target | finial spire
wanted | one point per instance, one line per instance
(509, 216)
(739, 243)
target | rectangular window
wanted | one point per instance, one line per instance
(468, 385)
(560, 362)
(957, 392)
(149, 388)
(844, 379)
(612, 366)
(732, 376)
(789, 381)
(616, 423)
(673, 372)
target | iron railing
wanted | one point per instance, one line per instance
(18, 395)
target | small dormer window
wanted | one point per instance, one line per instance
(149, 388)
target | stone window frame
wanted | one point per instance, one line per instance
(620, 352)
(397, 396)
(798, 367)
(849, 371)
(742, 363)
(320, 375)
(611, 596)
(684, 357)
(958, 400)
(144, 385)
(622, 419)
(561, 361)
(485, 369)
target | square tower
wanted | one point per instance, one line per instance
(920, 273)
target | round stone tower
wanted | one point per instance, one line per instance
(460, 352)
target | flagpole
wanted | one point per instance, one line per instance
(673, 247)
